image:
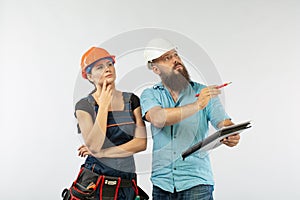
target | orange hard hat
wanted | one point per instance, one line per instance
(93, 55)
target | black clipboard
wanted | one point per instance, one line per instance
(214, 140)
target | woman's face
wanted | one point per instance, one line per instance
(103, 70)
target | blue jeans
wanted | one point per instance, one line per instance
(200, 192)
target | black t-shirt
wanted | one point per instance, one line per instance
(85, 104)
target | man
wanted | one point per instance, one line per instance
(179, 120)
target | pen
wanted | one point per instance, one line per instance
(218, 87)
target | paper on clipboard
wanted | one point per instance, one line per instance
(215, 139)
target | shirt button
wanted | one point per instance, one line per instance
(174, 168)
(174, 153)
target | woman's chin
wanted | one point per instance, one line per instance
(110, 80)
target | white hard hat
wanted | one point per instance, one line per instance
(156, 48)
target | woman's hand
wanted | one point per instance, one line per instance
(103, 95)
(83, 151)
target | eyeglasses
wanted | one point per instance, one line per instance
(100, 67)
(103, 66)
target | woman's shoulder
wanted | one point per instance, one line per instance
(130, 95)
(85, 104)
(86, 101)
(132, 98)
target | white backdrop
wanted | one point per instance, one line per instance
(254, 44)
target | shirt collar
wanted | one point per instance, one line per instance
(162, 87)
(159, 86)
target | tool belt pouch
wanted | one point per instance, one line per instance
(109, 188)
(86, 184)
(84, 187)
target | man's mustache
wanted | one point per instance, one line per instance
(176, 64)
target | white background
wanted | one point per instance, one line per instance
(255, 44)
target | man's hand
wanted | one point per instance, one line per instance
(206, 94)
(232, 140)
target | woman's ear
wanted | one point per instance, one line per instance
(89, 77)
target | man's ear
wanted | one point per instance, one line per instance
(156, 70)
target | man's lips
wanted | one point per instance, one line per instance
(108, 76)
(178, 66)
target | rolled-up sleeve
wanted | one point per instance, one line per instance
(216, 112)
(149, 100)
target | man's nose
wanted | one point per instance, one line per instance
(175, 61)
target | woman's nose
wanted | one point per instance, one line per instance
(107, 68)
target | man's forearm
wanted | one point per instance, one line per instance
(226, 122)
(161, 117)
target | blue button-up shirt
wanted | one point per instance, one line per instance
(169, 171)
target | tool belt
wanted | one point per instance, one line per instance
(87, 182)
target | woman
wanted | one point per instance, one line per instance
(111, 124)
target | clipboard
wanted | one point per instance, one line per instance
(215, 139)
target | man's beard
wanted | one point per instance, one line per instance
(176, 82)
